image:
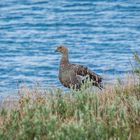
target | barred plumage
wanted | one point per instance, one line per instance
(69, 74)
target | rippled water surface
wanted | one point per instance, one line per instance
(101, 34)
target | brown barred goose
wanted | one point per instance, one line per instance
(70, 74)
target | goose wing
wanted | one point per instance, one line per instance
(84, 71)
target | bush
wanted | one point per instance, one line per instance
(74, 116)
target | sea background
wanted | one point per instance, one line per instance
(100, 34)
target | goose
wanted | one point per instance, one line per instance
(70, 74)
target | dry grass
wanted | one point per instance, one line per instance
(109, 114)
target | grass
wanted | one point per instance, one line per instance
(113, 113)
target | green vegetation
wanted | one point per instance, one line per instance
(137, 67)
(113, 113)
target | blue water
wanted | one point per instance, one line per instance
(101, 34)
